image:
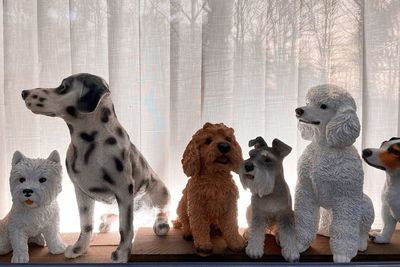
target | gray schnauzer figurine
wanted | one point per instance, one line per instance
(271, 203)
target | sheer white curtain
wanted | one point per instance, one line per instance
(173, 65)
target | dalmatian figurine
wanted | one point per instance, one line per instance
(34, 216)
(101, 161)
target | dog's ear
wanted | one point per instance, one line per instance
(17, 157)
(54, 156)
(93, 89)
(257, 142)
(281, 148)
(344, 128)
(191, 159)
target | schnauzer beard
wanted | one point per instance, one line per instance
(262, 184)
(43, 193)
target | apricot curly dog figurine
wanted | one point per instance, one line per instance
(210, 197)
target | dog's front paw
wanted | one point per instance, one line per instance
(20, 258)
(341, 258)
(104, 227)
(72, 252)
(204, 249)
(291, 255)
(377, 237)
(120, 255)
(58, 248)
(161, 229)
(255, 251)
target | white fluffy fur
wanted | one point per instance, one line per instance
(36, 220)
(330, 175)
(390, 193)
(271, 203)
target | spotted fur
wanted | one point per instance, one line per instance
(101, 161)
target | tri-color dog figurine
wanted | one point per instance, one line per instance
(101, 161)
(387, 158)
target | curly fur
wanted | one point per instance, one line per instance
(34, 216)
(210, 197)
(331, 175)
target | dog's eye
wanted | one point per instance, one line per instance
(21, 180)
(266, 159)
(323, 106)
(208, 141)
(42, 180)
(228, 139)
(393, 151)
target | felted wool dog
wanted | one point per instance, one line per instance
(101, 161)
(34, 215)
(271, 203)
(387, 158)
(210, 197)
(330, 174)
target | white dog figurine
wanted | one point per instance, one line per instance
(34, 216)
(330, 175)
(387, 158)
(271, 203)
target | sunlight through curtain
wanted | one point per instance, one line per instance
(174, 65)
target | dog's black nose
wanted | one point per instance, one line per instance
(299, 111)
(366, 153)
(248, 166)
(24, 94)
(27, 192)
(224, 147)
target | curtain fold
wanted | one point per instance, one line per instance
(174, 65)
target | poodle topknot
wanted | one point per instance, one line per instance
(210, 197)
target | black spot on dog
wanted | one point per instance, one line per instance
(72, 111)
(165, 192)
(99, 190)
(118, 164)
(83, 210)
(122, 236)
(74, 158)
(110, 141)
(76, 250)
(130, 189)
(114, 256)
(71, 129)
(107, 178)
(41, 99)
(105, 113)
(88, 228)
(34, 96)
(120, 132)
(40, 105)
(88, 137)
(45, 91)
(88, 152)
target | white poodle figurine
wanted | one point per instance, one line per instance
(330, 175)
(34, 215)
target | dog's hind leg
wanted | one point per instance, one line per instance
(125, 207)
(5, 245)
(184, 218)
(287, 238)
(160, 200)
(367, 218)
(86, 208)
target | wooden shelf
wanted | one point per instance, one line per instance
(172, 248)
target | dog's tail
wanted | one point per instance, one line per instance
(177, 223)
